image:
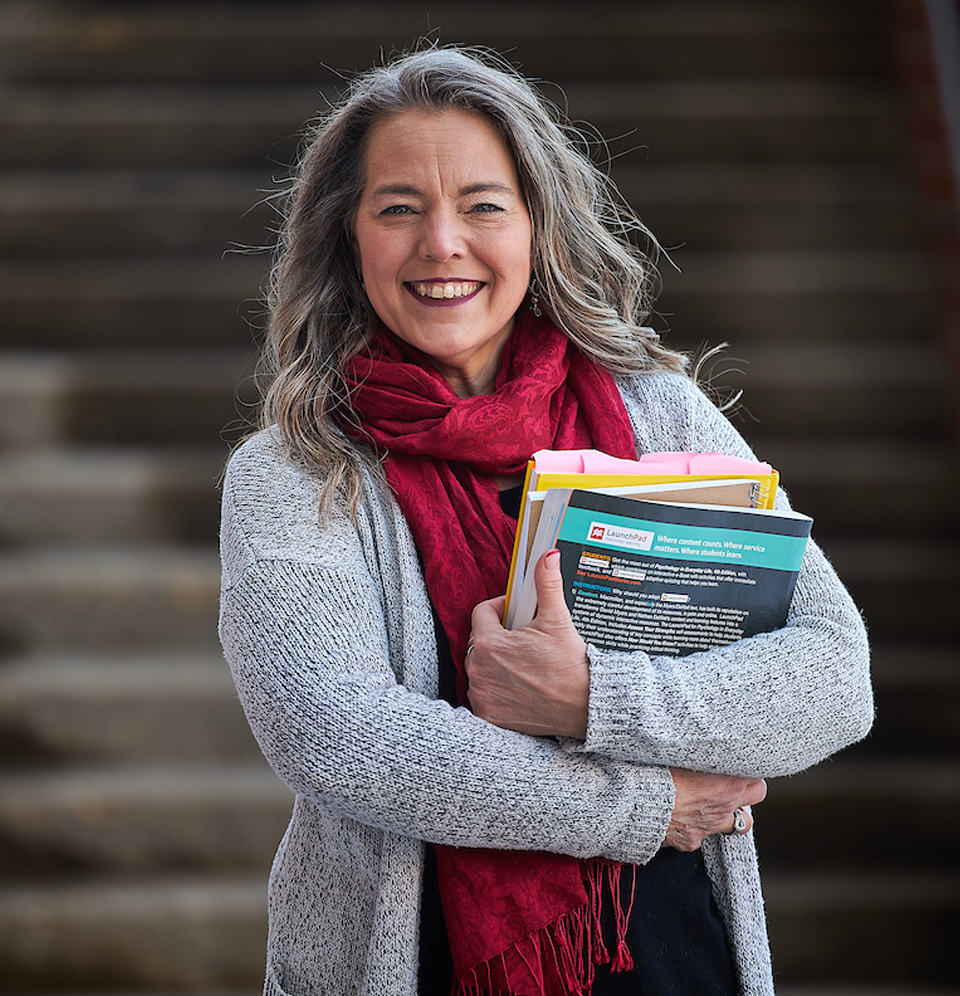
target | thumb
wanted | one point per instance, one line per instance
(552, 608)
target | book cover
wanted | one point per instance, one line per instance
(671, 579)
(549, 469)
(544, 512)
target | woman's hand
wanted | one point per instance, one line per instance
(533, 680)
(705, 805)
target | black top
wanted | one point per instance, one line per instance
(675, 935)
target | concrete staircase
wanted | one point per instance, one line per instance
(137, 819)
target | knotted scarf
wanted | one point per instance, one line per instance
(517, 922)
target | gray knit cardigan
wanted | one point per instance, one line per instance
(329, 634)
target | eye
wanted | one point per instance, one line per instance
(398, 209)
(486, 208)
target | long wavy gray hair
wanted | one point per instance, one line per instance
(592, 280)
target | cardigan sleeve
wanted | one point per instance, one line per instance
(771, 704)
(319, 643)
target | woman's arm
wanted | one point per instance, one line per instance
(769, 705)
(320, 647)
(310, 658)
(772, 704)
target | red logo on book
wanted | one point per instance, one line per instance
(597, 531)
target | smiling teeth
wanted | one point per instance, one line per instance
(450, 290)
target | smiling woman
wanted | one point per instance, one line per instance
(481, 811)
(443, 240)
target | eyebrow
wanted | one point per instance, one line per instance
(406, 189)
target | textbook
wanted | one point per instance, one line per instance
(671, 578)
(592, 469)
(691, 477)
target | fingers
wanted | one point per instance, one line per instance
(489, 613)
(684, 836)
(487, 627)
(534, 680)
(754, 793)
(552, 611)
(707, 804)
(741, 820)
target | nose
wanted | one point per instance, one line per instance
(441, 236)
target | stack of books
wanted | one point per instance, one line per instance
(670, 554)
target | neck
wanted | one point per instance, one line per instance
(469, 381)
(478, 375)
(467, 386)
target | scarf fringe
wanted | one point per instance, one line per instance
(561, 958)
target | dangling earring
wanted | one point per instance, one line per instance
(535, 299)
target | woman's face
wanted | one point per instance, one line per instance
(443, 240)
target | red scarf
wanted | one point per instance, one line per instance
(523, 923)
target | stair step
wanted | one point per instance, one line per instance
(139, 303)
(112, 707)
(771, 206)
(837, 815)
(84, 494)
(894, 928)
(138, 819)
(220, 991)
(880, 988)
(101, 597)
(803, 297)
(917, 690)
(177, 396)
(797, 274)
(862, 484)
(903, 586)
(771, 227)
(898, 666)
(816, 387)
(155, 127)
(145, 212)
(697, 120)
(247, 127)
(148, 397)
(697, 316)
(116, 495)
(194, 933)
(169, 933)
(782, 184)
(290, 43)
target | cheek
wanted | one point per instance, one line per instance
(376, 269)
(520, 253)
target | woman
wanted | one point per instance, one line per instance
(517, 812)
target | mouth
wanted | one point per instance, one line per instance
(445, 290)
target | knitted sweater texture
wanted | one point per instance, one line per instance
(328, 631)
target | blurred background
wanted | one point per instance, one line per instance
(794, 157)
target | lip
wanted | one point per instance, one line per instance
(442, 302)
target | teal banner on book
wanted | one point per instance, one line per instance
(774, 551)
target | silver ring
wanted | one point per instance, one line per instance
(739, 821)
(469, 651)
